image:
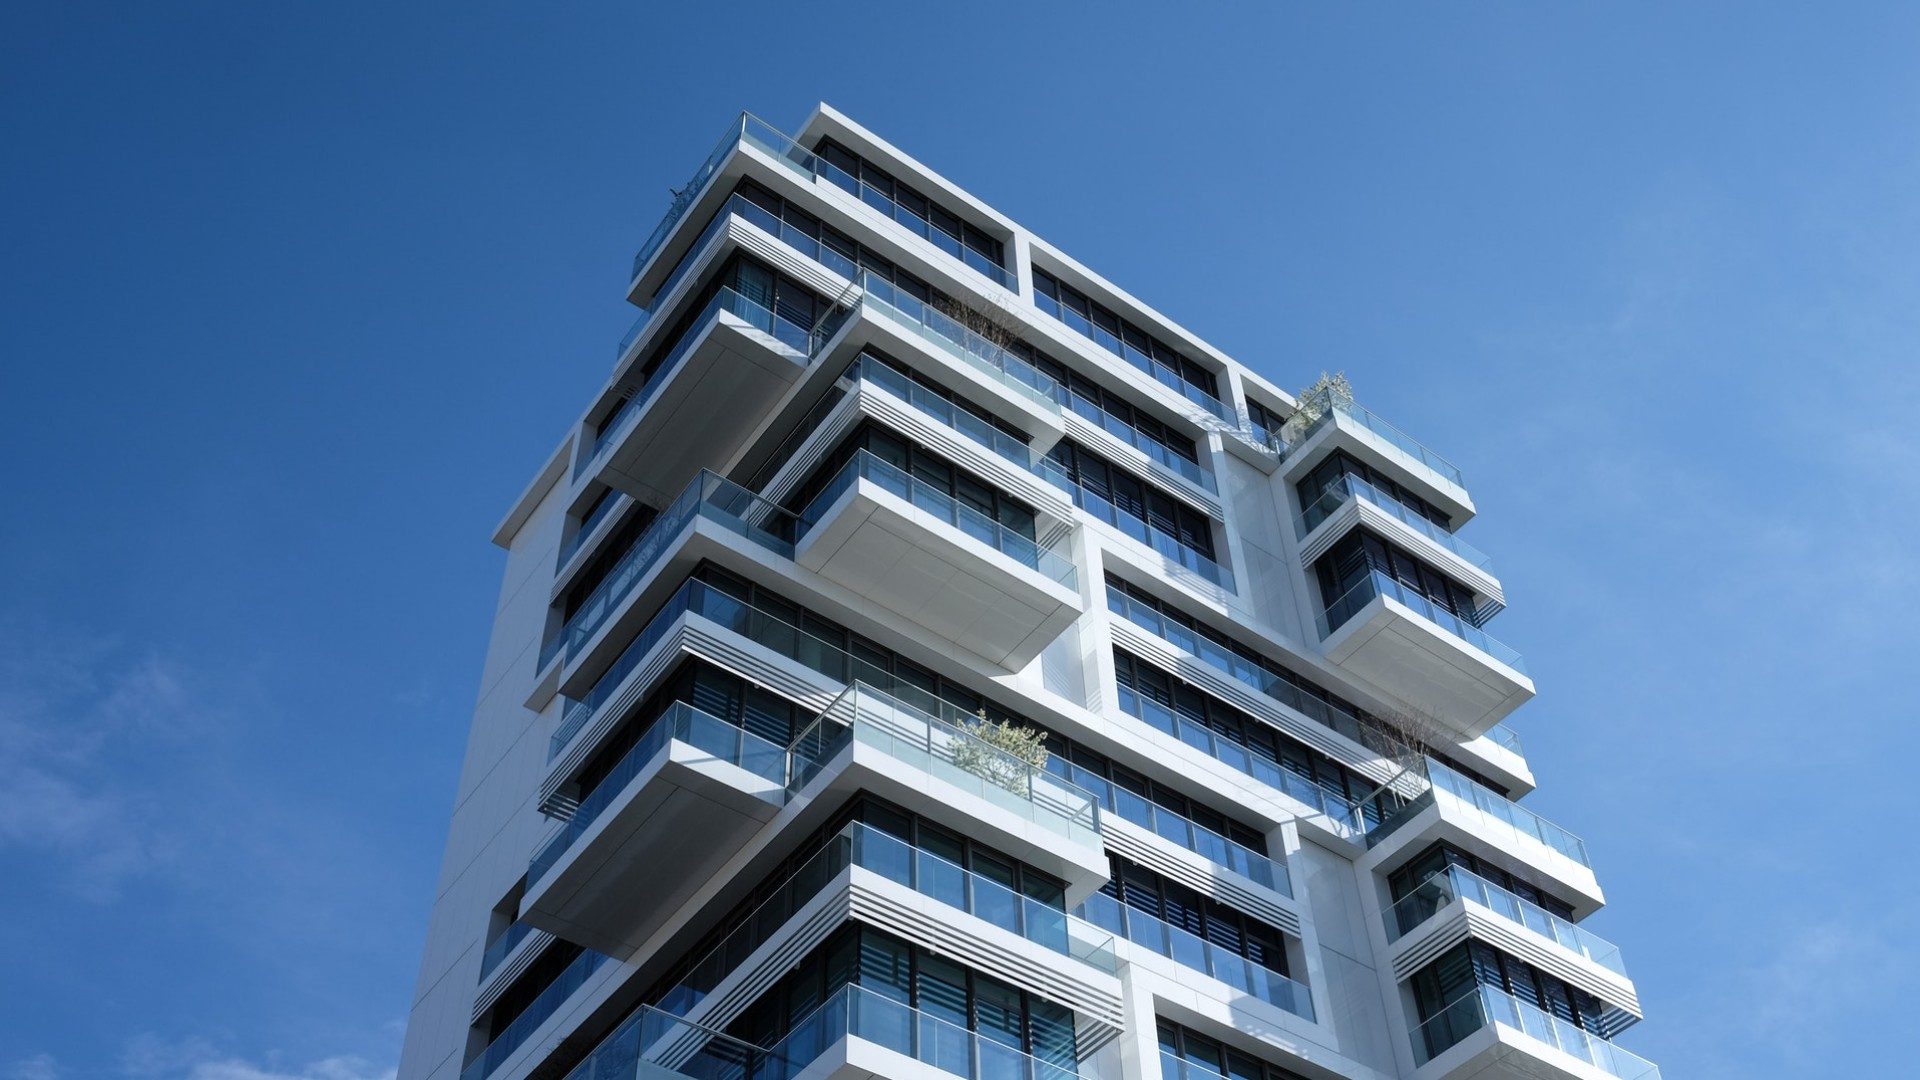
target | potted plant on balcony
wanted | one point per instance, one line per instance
(1002, 753)
(1328, 392)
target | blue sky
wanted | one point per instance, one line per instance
(297, 296)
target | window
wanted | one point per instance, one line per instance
(922, 464)
(1091, 475)
(1340, 464)
(956, 1000)
(1248, 744)
(1456, 972)
(1116, 335)
(1181, 1047)
(1225, 927)
(878, 189)
(1361, 553)
(1251, 667)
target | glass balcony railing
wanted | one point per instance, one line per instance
(1181, 831)
(587, 524)
(1347, 816)
(776, 144)
(864, 846)
(709, 498)
(1316, 413)
(1504, 736)
(1243, 670)
(799, 338)
(1137, 528)
(1156, 452)
(1448, 784)
(501, 947)
(1465, 795)
(777, 635)
(1192, 951)
(869, 716)
(634, 328)
(537, 1012)
(924, 496)
(1485, 1005)
(680, 723)
(1452, 883)
(955, 338)
(1010, 447)
(653, 1045)
(858, 1012)
(964, 890)
(1160, 372)
(1377, 583)
(1352, 487)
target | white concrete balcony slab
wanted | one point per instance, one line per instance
(864, 875)
(1491, 1035)
(1366, 435)
(870, 740)
(1351, 502)
(1399, 642)
(735, 359)
(1469, 816)
(669, 814)
(1455, 904)
(924, 554)
(914, 332)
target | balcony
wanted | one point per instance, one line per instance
(1352, 501)
(1195, 953)
(924, 554)
(1454, 883)
(1489, 1034)
(866, 736)
(1160, 456)
(1182, 832)
(654, 1045)
(1332, 810)
(858, 1033)
(1456, 809)
(708, 498)
(1033, 397)
(1455, 903)
(675, 808)
(733, 361)
(1324, 424)
(1399, 641)
(1177, 557)
(541, 1009)
(863, 871)
(504, 946)
(776, 146)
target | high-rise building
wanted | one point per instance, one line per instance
(923, 659)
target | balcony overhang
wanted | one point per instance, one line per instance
(1460, 919)
(1081, 863)
(906, 341)
(1341, 432)
(1357, 512)
(674, 825)
(1449, 819)
(732, 372)
(1500, 1052)
(921, 566)
(1408, 658)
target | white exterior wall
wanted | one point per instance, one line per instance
(1339, 950)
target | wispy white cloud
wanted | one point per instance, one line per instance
(37, 1067)
(67, 711)
(148, 1057)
